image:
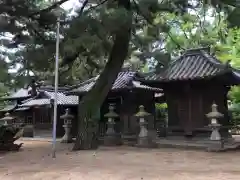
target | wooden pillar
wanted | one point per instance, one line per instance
(125, 123)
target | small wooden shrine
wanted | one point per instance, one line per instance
(14, 100)
(41, 109)
(191, 84)
(127, 94)
(31, 106)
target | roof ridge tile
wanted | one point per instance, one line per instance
(187, 67)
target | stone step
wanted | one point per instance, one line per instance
(198, 144)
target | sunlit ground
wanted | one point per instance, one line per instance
(34, 162)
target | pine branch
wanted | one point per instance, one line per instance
(70, 59)
(83, 6)
(48, 9)
(96, 6)
(151, 23)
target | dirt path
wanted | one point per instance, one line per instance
(122, 163)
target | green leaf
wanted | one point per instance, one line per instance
(233, 18)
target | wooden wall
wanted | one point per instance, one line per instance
(42, 119)
(189, 102)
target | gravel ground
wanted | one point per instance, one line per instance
(34, 162)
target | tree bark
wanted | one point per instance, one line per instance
(95, 97)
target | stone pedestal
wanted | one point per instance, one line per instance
(215, 135)
(216, 146)
(67, 138)
(143, 139)
(111, 138)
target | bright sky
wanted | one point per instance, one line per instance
(70, 4)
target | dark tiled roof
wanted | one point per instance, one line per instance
(8, 108)
(24, 93)
(125, 80)
(193, 64)
(20, 94)
(51, 88)
(22, 109)
(62, 99)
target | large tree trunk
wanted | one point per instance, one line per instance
(94, 99)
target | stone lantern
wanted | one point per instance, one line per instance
(111, 137)
(7, 119)
(143, 137)
(67, 117)
(215, 126)
(214, 116)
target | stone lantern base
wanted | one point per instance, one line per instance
(112, 140)
(146, 142)
(216, 146)
(67, 138)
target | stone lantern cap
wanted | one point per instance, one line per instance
(142, 112)
(111, 113)
(7, 117)
(67, 115)
(214, 113)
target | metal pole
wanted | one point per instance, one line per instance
(55, 92)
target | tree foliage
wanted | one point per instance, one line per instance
(86, 36)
